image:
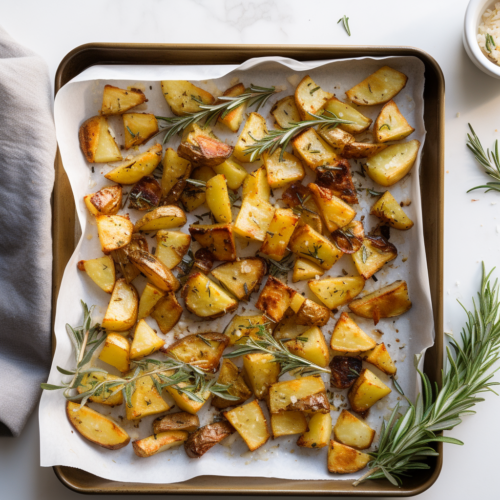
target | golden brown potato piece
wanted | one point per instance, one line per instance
(319, 432)
(366, 391)
(139, 127)
(281, 172)
(242, 327)
(304, 269)
(121, 313)
(106, 201)
(180, 421)
(391, 125)
(260, 371)
(95, 427)
(357, 150)
(167, 312)
(171, 246)
(310, 98)
(204, 439)
(344, 371)
(312, 314)
(256, 184)
(193, 196)
(115, 231)
(350, 238)
(375, 252)
(313, 150)
(389, 210)
(378, 88)
(278, 233)
(146, 194)
(337, 138)
(275, 298)
(184, 97)
(254, 218)
(96, 141)
(101, 271)
(116, 101)
(255, 128)
(310, 345)
(285, 112)
(338, 180)
(288, 423)
(345, 460)
(154, 270)
(243, 277)
(176, 171)
(347, 336)
(146, 400)
(336, 292)
(352, 431)
(157, 443)
(232, 120)
(380, 358)
(217, 199)
(203, 260)
(161, 218)
(347, 112)
(299, 197)
(217, 238)
(230, 375)
(120, 256)
(209, 152)
(104, 396)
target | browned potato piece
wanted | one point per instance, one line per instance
(347, 336)
(366, 391)
(217, 238)
(278, 234)
(161, 218)
(121, 313)
(310, 98)
(157, 443)
(120, 256)
(106, 201)
(203, 350)
(233, 119)
(336, 292)
(180, 96)
(389, 210)
(275, 299)
(243, 277)
(230, 375)
(312, 314)
(193, 196)
(154, 270)
(345, 460)
(313, 149)
(357, 150)
(242, 327)
(352, 431)
(310, 215)
(347, 112)
(285, 112)
(310, 345)
(282, 170)
(390, 124)
(116, 101)
(260, 372)
(139, 127)
(96, 142)
(338, 180)
(319, 432)
(95, 427)
(337, 138)
(145, 194)
(180, 421)
(167, 312)
(344, 371)
(210, 152)
(176, 171)
(203, 260)
(204, 439)
(115, 231)
(349, 238)
(375, 252)
(171, 246)
(380, 357)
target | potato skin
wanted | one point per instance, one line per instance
(180, 421)
(343, 368)
(199, 442)
(210, 152)
(338, 181)
(145, 194)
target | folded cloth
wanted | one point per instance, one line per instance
(27, 152)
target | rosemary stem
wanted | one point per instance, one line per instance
(365, 476)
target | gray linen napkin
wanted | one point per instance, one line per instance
(27, 152)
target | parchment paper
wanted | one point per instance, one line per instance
(404, 336)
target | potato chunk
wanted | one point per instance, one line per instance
(358, 150)
(120, 256)
(281, 173)
(204, 439)
(183, 97)
(175, 172)
(254, 218)
(157, 443)
(107, 201)
(288, 423)
(345, 460)
(255, 128)
(337, 138)
(184, 402)
(275, 298)
(250, 423)
(353, 432)
(145, 400)
(206, 299)
(243, 277)
(133, 170)
(350, 238)
(313, 149)
(116, 101)
(180, 421)
(299, 197)
(217, 198)
(344, 371)
(167, 312)
(373, 254)
(96, 141)
(230, 375)
(285, 112)
(101, 271)
(116, 352)
(378, 88)
(310, 313)
(145, 341)
(234, 173)
(145, 194)
(232, 120)
(171, 246)
(242, 327)
(256, 184)
(304, 269)
(165, 217)
(208, 151)
(388, 209)
(279, 233)
(319, 432)
(348, 337)
(347, 112)
(390, 124)
(391, 165)
(310, 98)
(104, 396)
(217, 238)
(310, 345)
(366, 391)
(115, 231)
(380, 358)
(149, 298)
(338, 181)
(336, 292)
(386, 302)
(121, 313)
(95, 427)
(260, 372)
(139, 127)
(154, 270)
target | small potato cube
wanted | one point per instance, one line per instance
(179, 421)
(232, 120)
(167, 312)
(278, 234)
(251, 424)
(254, 218)
(366, 391)
(165, 217)
(149, 298)
(345, 460)
(282, 172)
(184, 402)
(234, 173)
(139, 127)
(260, 372)
(256, 184)
(242, 327)
(320, 430)
(285, 112)
(310, 98)
(154, 270)
(133, 170)
(308, 243)
(193, 196)
(183, 97)
(121, 313)
(347, 336)
(107, 201)
(145, 400)
(380, 358)
(230, 375)
(171, 246)
(275, 299)
(101, 271)
(391, 125)
(353, 432)
(336, 292)
(388, 210)
(373, 254)
(202, 440)
(217, 198)
(96, 141)
(391, 165)
(387, 302)
(312, 346)
(305, 269)
(116, 101)
(175, 170)
(115, 231)
(217, 238)
(347, 112)
(104, 397)
(255, 128)
(311, 313)
(145, 341)
(313, 150)
(157, 443)
(288, 423)
(116, 352)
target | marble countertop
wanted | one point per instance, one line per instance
(472, 221)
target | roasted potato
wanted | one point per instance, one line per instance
(145, 399)
(353, 432)
(299, 197)
(285, 112)
(378, 88)
(203, 350)
(138, 128)
(256, 184)
(217, 238)
(115, 231)
(347, 336)
(391, 165)
(304, 269)
(176, 171)
(206, 299)
(116, 101)
(107, 201)
(96, 141)
(134, 169)
(104, 396)
(373, 254)
(157, 443)
(350, 238)
(380, 358)
(336, 292)
(116, 352)
(121, 313)
(217, 199)
(146, 194)
(149, 298)
(171, 246)
(338, 180)
(260, 371)
(310, 345)
(184, 97)
(345, 460)
(254, 218)
(255, 128)
(180, 421)
(184, 402)
(347, 112)
(203, 261)
(254, 435)
(337, 138)
(278, 234)
(243, 277)
(208, 151)
(167, 312)
(275, 298)
(319, 432)
(313, 150)
(199, 442)
(388, 210)
(120, 256)
(386, 302)
(233, 118)
(230, 375)
(357, 150)
(161, 218)
(310, 98)
(154, 270)
(311, 313)
(282, 172)
(234, 173)
(344, 371)
(95, 427)
(287, 328)
(242, 327)
(366, 391)
(193, 196)
(288, 423)
(101, 271)
(390, 124)
(145, 341)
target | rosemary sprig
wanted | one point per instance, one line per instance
(345, 22)
(297, 210)
(490, 42)
(314, 253)
(254, 96)
(281, 137)
(485, 159)
(281, 268)
(404, 440)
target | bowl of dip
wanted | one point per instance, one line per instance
(482, 35)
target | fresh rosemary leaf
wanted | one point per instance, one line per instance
(345, 22)
(204, 339)
(374, 193)
(364, 255)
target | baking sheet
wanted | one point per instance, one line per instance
(404, 336)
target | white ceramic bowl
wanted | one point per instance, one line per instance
(472, 20)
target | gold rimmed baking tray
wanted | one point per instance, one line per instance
(432, 184)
